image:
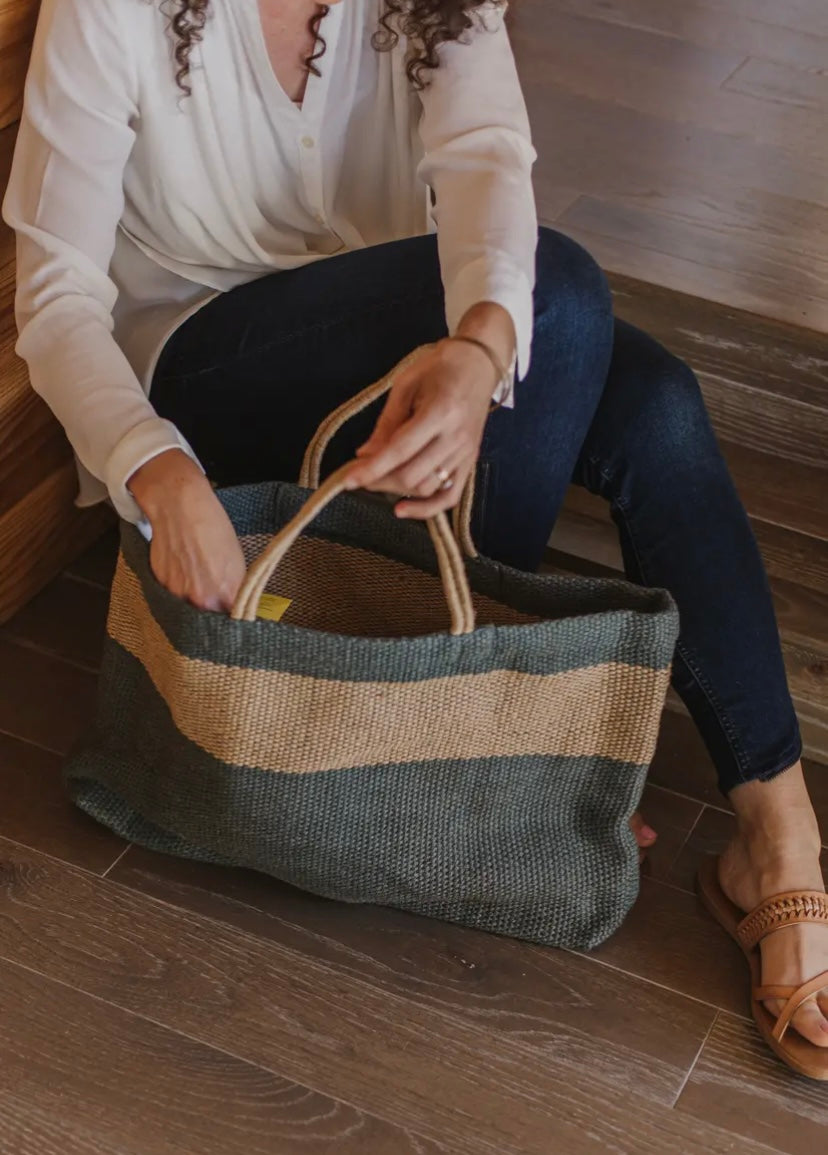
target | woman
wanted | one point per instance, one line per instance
(224, 204)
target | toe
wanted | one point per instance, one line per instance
(645, 836)
(810, 1020)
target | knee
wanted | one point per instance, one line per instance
(569, 283)
(671, 419)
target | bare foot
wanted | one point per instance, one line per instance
(645, 836)
(777, 850)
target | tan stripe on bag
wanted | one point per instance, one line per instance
(294, 723)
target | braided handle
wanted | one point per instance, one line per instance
(312, 461)
(449, 559)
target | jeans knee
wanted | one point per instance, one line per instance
(673, 419)
(568, 281)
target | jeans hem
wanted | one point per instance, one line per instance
(781, 765)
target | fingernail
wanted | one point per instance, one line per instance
(648, 832)
(352, 482)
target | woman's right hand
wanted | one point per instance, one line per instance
(194, 552)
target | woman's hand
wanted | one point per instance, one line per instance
(194, 552)
(430, 429)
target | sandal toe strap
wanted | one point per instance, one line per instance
(780, 911)
(794, 998)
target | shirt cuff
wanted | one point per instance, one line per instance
(143, 442)
(482, 280)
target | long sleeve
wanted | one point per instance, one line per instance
(64, 200)
(478, 159)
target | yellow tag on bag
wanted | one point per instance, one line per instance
(272, 607)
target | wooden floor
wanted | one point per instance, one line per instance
(684, 142)
(150, 1006)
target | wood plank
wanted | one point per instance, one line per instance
(740, 1085)
(67, 620)
(728, 345)
(765, 383)
(17, 24)
(563, 1003)
(596, 146)
(673, 817)
(699, 22)
(81, 1077)
(33, 443)
(670, 940)
(416, 1065)
(808, 16)
(583, 56)
(609, 227)
(782, 84)
(44, 701)
(40, 536)
(765, 296)
(35, 810)
(793, 557)
(97, 563)
(755, 203)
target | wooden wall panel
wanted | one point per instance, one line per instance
(17, 24)
(41, 531)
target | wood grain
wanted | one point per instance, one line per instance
(67, 619)
(739, 1084)
(42, 534)
(583, 56)
(669, 939)
(561, 1003)
(778, 83)
(800, 559)
(708, 25)
(44, 701)
(17, 24)
(81, 1077)
(701, 182)
(610, 226)
(35, 810)
(350, 1036)
(728, 345)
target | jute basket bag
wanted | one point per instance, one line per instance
(375, 745)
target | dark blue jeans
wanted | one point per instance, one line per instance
(249, 378)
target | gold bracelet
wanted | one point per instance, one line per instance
(502, 373)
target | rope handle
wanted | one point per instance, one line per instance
(449, 559)
(312, 461)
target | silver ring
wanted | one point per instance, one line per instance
(445, 478)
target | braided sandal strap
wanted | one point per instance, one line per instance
(780, 911)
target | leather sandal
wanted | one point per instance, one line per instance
(773, 914)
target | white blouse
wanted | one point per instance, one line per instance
(134, 205)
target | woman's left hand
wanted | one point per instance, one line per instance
(430, 429)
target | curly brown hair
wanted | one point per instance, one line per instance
(426, 23)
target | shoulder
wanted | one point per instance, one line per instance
(95, 21)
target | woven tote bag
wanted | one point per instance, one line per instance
(444, 735)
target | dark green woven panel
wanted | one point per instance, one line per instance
(533, 847)
(587, 621)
